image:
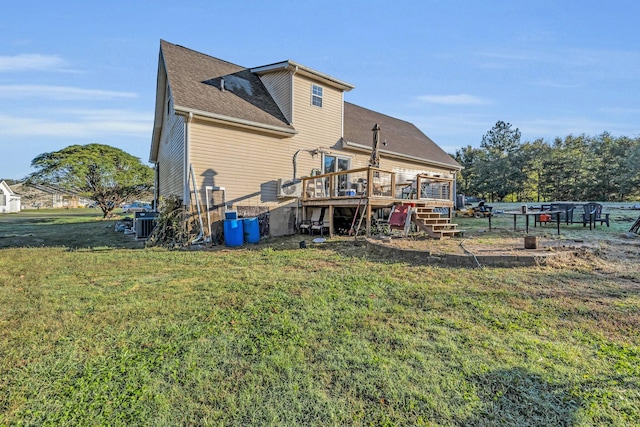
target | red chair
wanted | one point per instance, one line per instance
(398, 217)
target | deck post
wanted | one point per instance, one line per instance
(368, 219)
(330, 220)
(393, 185)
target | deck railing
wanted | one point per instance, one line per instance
(379, 187)
(434, 187)
(363, 182)
(378, 183)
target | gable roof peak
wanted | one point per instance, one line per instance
(296, 68)
(195, 78)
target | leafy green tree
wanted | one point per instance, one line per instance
(102, 173)
(614, 169)
(467, 178)
(630, 171)
(567, 168)
(532, 157)
(602, 169)
(498, 167)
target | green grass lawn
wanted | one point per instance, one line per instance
(99, 331)
(72, 228)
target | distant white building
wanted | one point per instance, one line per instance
(9, 201)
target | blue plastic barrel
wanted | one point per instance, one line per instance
(251, 230)
(233, 232)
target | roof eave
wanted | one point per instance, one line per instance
(3, 183)
(247, 124)
(161, 85)
(361, 147)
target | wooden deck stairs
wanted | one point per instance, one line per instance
(433, 223)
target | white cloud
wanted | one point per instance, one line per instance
(550, 128)
(31, 62)
(453, 131)
(620, 110)
(461, 99)
(79, 124)
(567, 63)
(59, 92)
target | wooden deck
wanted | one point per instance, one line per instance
(368, 189)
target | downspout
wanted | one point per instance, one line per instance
(186, 196)
(342, 118)
(298, 211)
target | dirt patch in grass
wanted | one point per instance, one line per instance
(603, 248)
(614, 248)
(479, 245)
(611, 254)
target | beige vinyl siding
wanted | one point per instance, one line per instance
(247, 164)
(279, 86)
(171, 155)
(317, 126)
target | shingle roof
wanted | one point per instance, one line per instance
(402, 138)
(195, 81)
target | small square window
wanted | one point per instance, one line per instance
(316, 95)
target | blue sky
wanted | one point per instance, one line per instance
(75, 72)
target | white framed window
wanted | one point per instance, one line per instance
(316, 95)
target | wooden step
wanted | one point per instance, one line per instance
(434, 222)
(439, 234)
(430, 215)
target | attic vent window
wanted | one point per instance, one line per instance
(316, 95)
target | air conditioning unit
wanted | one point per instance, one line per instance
(288, 187)
(144, 224)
